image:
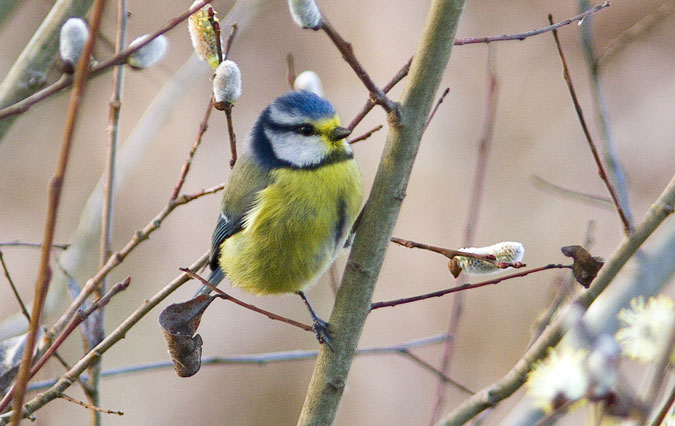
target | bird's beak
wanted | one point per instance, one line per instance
(339, 133)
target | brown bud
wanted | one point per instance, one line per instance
(585, 267)
(454, 267)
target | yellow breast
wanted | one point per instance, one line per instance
(295, 230)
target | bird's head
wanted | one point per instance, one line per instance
(300, 130)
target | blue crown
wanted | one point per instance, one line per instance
(304, 103)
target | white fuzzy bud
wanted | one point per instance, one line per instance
(309, 81)
(227, 83)
(74, 35)
(507, 252)
(149, 54)
(305, 13)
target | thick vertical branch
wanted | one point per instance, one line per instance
(353, 299)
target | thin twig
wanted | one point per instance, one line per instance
(234, 27)
(17, 243)
(118, 257)
(253, 308)
(441, 375)
(439, 293)
(523, 36)
(637, 30)
(74, 324)
(119, 59)
(491, 395)
(216, 30)
(55, 187)
(231, 135)
(545, 185)
(118, 334)
(477, 187)
(366, 135)
(450, 253)
(601, 170)
(256, 359)
(24, 311)
(203, 126)
(615, 168)
(438, 104)
(89, 406)
(345, 48)
(473, 40)
(663, 408)
(290, 70)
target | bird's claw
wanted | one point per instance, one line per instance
(322, 332)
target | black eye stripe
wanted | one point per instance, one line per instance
(304, 129)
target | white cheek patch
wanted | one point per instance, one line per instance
(282, 117)
(300, 151)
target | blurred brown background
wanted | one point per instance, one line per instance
(536, 133)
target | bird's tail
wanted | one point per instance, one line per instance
(215, 278)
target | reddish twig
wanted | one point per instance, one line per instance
(253, 308)
(24, 311)
(450, 253)
(118, 257)
(231, 135)
(526, 34)
(216, 30)
(345, 48)
(439, 293)
(457, 304)
(55, 187)
(577, 106)
(438, 104)
(473, 40)
(72, 326)
(366, 135)
(203, 126)
(118, 59)
(234, 27)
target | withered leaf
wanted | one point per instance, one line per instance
(585, 267)
(179, 324)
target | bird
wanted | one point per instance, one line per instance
(290, 202)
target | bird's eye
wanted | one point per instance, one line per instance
(306, 129)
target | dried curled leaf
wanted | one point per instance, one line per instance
(585, 267)
(179, 324)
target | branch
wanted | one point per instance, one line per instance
(55, 187)
(118, 334)
(366, 135)
(258, 359)
(118, 59)
(596, 200)
(474, 40)
(74, 324)
(379, 216)
(89, 406)
(477, 187)
(601, 170)
(507, 385)
(24, 311)
(203, 126)
(376, 94)
(463, 287)
(118, 257)
(248, 306)
(17, 243)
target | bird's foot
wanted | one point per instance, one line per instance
(321, 331)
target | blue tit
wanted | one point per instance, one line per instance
(290, 202)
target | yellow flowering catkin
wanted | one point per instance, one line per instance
(203, 35)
